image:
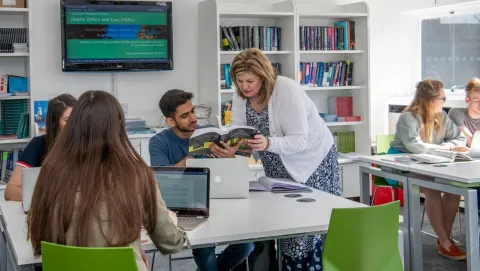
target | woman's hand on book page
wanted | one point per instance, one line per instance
(227, 151)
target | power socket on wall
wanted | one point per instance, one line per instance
(124, 108)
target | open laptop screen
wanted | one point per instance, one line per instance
(185, 191)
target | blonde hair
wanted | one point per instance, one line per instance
(473, 85)
(423, 106)
(254, 61)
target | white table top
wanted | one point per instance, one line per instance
(264, 214)
(463, 172)
(386, 160)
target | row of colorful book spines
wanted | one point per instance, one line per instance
(339, 37)
(236, 38)
(326, 74)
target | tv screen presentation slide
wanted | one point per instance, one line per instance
(116, 33)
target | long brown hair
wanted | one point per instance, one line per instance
(55, 109)
(94, 169)
(253, 60)
(423, 107)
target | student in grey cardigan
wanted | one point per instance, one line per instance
(424, 126)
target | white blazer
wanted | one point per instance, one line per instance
(297, 132)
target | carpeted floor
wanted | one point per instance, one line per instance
(431, 260)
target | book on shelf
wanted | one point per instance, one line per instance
(434, 156)
(14, 85)
(326, 74)
(15, 120)
(12, 3)
(341, 106)
(13, 40)
(345, 141)
(8, 159)
(237, 38)
(278, 185)
(202, 138)
(225, 80)
(340, 36)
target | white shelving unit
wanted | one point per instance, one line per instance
(216, 13)
(16, 64)
(290, 15)
(317, 14)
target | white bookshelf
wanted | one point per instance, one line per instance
(16, 64)
(14, 54)
(13, 11)
(314, 13)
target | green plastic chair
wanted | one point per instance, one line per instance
(60, 258)
(383, 143)
(363, 239)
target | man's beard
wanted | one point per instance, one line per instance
(186, 130)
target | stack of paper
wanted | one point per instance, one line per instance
(278, 185)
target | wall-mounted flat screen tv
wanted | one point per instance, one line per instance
(116, 35)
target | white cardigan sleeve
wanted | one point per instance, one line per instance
(292, 119)
(238, 110)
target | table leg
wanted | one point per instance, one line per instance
(364, 187)
(415, 227)
(471, 229)
(406, 226)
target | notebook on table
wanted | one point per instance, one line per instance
(441, 156)
(278, 185)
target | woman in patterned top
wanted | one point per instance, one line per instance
(294, 142)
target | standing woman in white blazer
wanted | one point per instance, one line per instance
(294, 143)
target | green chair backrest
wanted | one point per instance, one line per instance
(383, 143)
(60, 258)
(363, 239)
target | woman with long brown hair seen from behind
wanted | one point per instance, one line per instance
(58, 113)
(422, 127)
(94, 190)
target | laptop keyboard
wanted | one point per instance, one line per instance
(188, 222)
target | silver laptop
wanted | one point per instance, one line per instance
(29, 179)
(185, 192)
(229, 176)
(475, 146)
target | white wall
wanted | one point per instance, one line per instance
(141, 90)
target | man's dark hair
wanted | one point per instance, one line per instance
(173, 99)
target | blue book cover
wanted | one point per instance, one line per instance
(40, 108)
